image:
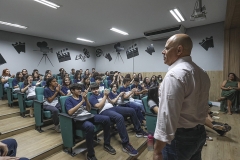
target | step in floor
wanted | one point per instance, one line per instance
(15, 125)
(34, 145)
(7, 112)
(137, 143)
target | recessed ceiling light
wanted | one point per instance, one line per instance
(47, 3)
(85, 40)
(179, 14)
(175, 16)
(13, 25)
(119, 31)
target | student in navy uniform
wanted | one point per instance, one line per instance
(94, 75)
(139, 92)
(8, 150)
(29, 88)
(19, 78)
(48, 75)
(147, 83)
(154, 82)
(129, 93)
(86, 84)
(102, 102)
(78, 104)
(77, 77)
(116, 98)
(51, 93)
(25, 73)
(65, 87)
(98, 80)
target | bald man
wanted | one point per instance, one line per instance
(183, 104)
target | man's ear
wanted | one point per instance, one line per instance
(179, 50)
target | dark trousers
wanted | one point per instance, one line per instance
(88, 127)
(187, 144)
(54, 111)
(116, 114)
(12, 148)
(137, 110)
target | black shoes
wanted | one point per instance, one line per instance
(109, 149)
(91, 158)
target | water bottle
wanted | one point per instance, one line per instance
(150, 142)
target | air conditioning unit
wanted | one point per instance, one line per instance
(164, 33)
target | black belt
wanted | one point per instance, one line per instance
(197, 127)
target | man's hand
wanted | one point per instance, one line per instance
(4, 148)
(121, 94)
(106, 92)
(84, 95)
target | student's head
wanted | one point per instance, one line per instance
(128, 76)
(48, 75)
(95, 74)
(6, 72)
(48, 71)
(86, 80)
(35, 70)
(51, 82)
(66, 81)
(114, 87)
(93, 70)
(232, 77)
(134, 75)
(153, 94)
(60, 70)
(139, 75)
(81, 70)
(153, 78)
(77, 75)
(136, 81)
(177, 46)
(126, 81)
(146, 80)
(75, 89)
(19, 75)
(35, 74)
(24, 72)
(107, 73)
(98, 80)
(94, 88)
(73, 70)
(28, 79)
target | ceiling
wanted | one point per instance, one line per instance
(92, 19)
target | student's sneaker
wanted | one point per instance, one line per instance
(57, 128)
(141, 134)
(91, 157)
(209, 138)
(109, 149)
(221, 133)
(128, 148)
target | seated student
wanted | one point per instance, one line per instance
(65, 91)
(5, 76)
(86, 84)
(8, 150)
(139, 90)
(93, 70)
(36, 76)
(48, 72)
(43, 84)
(29, 88)
(144, 88)
(116, 98)
(61, 70)
(147, 83)
(51, 93)
(153, 81)
(104, 104)
(128, 93)
(77, 77)
(78, 104)
(25, 73)
(72, 71)
(19, 78)
(95, 74)
(98, 80)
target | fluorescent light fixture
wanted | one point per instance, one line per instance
(47, 3)
(175, 16)
(85, 40)
(13, 25)
(178, 14)
(119, 31)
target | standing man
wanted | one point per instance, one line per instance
(183, 104)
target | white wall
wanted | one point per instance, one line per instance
(211, 60)
(30, 59)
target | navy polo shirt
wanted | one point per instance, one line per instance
(71, 103)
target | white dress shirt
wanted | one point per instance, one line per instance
(183, 99)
